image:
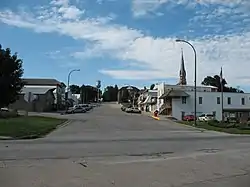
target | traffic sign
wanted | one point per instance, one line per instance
(29, 97)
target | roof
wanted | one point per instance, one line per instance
(126, 87)
(198, 86)
(36, 90)
(153, 93)
(174, 93)
(34, 81)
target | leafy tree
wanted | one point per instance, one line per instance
(124, 95)
(75, 89)
(152, 86)
(11, 72)
(110, 93)
(215, 81)
(89, 93)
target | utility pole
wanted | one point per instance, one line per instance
(195, 77)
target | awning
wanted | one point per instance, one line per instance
(236, 109)
(174, 93)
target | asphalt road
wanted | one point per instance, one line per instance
(107, 147)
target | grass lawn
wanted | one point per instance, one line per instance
(227, 128)
(28, 127)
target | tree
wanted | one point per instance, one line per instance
(152, 86)
(215, 81)
(110, 93)
(11, 72)
(75, 89)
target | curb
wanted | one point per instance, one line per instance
(6, 138)
(192, 127)
(64, 124)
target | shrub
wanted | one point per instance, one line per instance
(244, 126)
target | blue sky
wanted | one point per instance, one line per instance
(128, 41)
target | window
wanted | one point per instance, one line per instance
(229, 100)
(184, 100)
(200, 100)
(243, 101)
(218, 100)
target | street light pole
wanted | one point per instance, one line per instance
(68, 89)
(69, 76)
(195, 76)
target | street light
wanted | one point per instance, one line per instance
(70, 74)
(68, 84)
(195, 74)
(130, 89)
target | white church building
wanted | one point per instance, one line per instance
(178, 100)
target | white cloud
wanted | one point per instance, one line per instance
(159, 57)
(134, 74)
(143, 7)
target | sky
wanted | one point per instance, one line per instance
(128, 41)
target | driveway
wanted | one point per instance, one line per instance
(107, 147)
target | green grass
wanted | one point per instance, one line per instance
(227, 128)
(28, 127)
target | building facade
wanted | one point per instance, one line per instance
(178, 100)
(49, 94)
(147, 100)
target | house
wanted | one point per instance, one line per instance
(147, 100)
(178, 100)
(76, 99)
(125, 92)
(48, 94)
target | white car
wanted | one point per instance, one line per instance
(206, 117)
(132, 110)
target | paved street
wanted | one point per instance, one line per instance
(107, 147)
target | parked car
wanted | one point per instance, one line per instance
(188, 118)
(75, 109)
(206, 117)
(123, 108)
(93, 105)
(8, 113)
(85, 106)
(133, 110)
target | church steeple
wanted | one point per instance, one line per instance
(182, 80)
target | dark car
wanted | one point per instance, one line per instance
(188, 118)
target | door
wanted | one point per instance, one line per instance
(182, 115)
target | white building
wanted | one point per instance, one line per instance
(178, 100)
(147, 100)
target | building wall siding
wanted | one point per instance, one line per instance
(209, 103)
(43, 103)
